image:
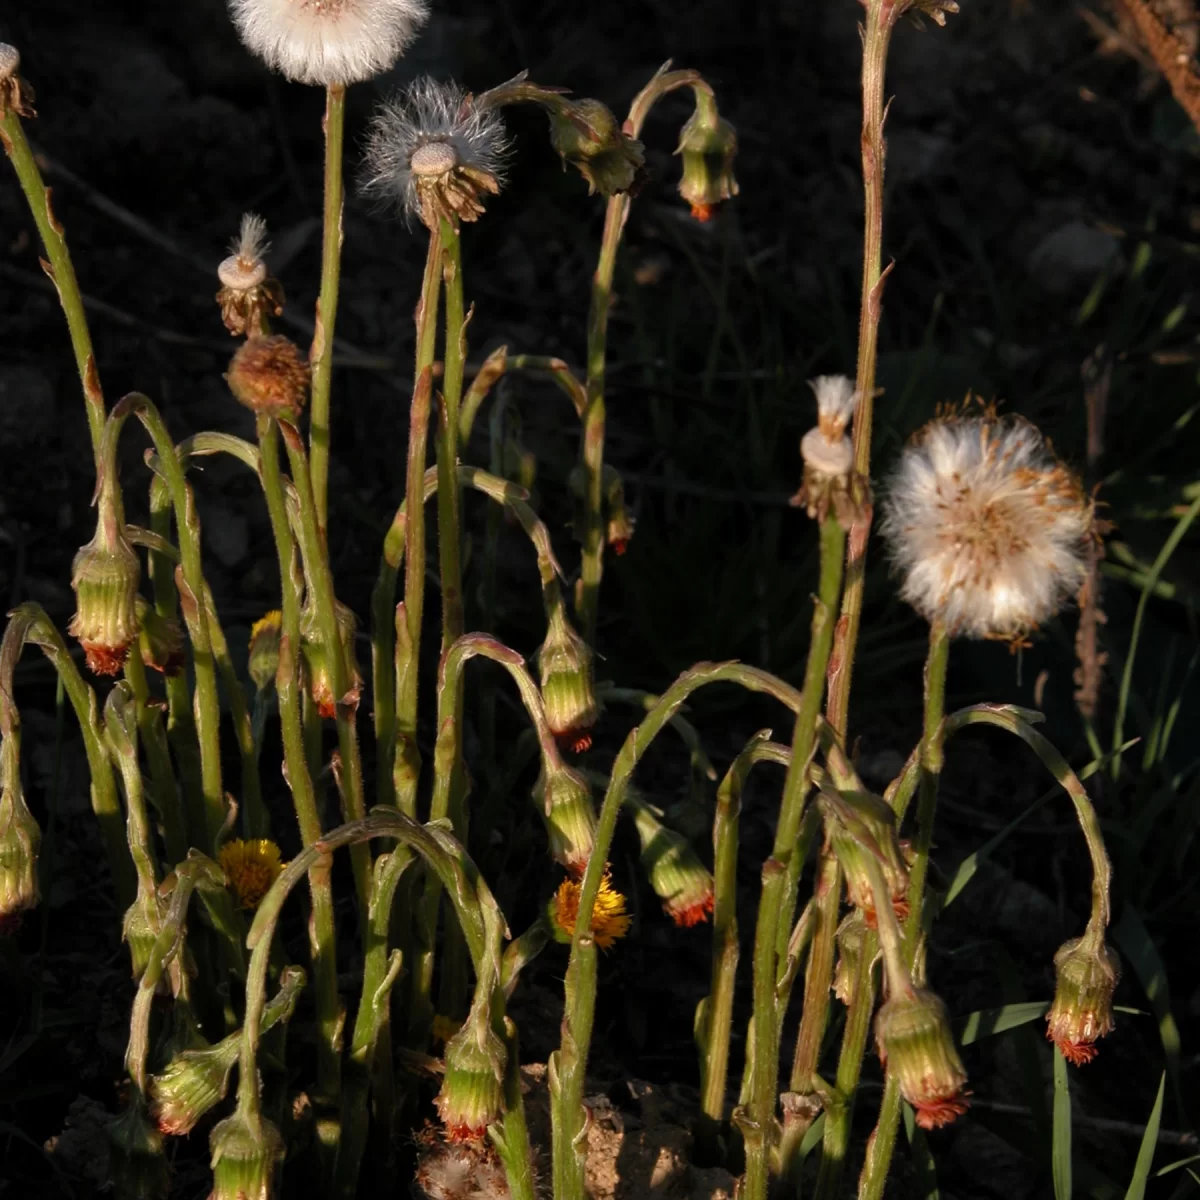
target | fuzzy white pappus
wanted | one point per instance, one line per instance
(244, 268)
(836, 402)
(989, 530)
(435, 122)
(329, 41)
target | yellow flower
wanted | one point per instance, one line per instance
(250, 868)
(609, 919)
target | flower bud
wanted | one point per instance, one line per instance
(851, 936)
(565, 801)
(137, 1165)
(269, 376)
(853, 856)
(1087, 972)
(264, 649)
(587, 136)
(160, 639)
(15, 94)
(246, 1148)
(679, 879)
(139, 930)
(915, 1044)
(707, 147)
(248, 295)
(619, 528)
(20, 838)
(105, 576)
(320, 668)
(565, 661)
(471, 1097)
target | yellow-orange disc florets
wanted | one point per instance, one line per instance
(250, 868)
(609, 919)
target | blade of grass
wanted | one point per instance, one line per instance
(1183, 1162)
(1145, 1158)
(1060, 1160)
(989, 1021)
(1164, 555)
(1134, 941)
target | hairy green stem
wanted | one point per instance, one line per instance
(287, 687)
(59, 268)
(321, 354)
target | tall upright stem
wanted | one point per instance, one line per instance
(287, 687)
(777, 903)
(407, 759)
(591, 451)
(881, 16)
(59, 268)
(321, 354)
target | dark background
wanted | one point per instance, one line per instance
(1042, 210)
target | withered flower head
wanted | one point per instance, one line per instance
(679, 879)
(160, 639)
(329, 41)
(589, 137)
(20, 839)
(828, 454)
(320, 666)
(15, 94)
(568, 690)
(916, 1046)
(988, 530)
(707, 146)
(246, 1149)
(248, 294)
(105, 576)
(1087, 972)
(564, 800)
(269, 376)
(435, 153)
(471, 1095)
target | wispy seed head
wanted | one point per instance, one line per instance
(244, 268)
(989, 531)
(329, 41)
(10, 61)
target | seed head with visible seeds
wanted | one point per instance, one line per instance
(329, 41)
(987, 528)
(435, 153)
(248, 295)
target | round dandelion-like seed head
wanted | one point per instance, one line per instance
(609, 918)
(250, 868)
(989, 531)
(329, 42)
(435, 153)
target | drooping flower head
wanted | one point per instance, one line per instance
(329, 41)
(1087, 971)
(609, 918)
(250, 868)
(989, 530)
(435, 153)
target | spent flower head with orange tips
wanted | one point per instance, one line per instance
(329, 42)
(435, 153)
(250, 868)
(988, 530)
(916, 1046)
(564, 800)
(269, 376)
(707, 147)
(246, 1151)
(679, 879)
(568, 690)
(471, 1096)
(609, 918)
(105, 576)
(1087, 972)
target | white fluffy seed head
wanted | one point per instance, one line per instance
(244, 268)
(10, 61)
(988, 529)
(836, 402)
(329, 41)
(430, 125)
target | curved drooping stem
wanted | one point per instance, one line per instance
(568, 1065)
(383, 634)
(28, 624)
(321, 355)
(191, 576)
(498, 363)
(591, 452)
(59, 268)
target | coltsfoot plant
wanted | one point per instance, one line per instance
(989, 535)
